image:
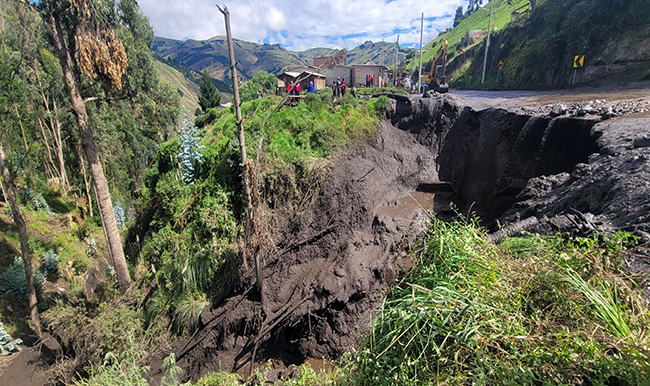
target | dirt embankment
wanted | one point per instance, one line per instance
(327, 276)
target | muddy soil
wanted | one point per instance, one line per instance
(324, 284)
(327, 279)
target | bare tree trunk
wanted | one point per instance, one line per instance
(88, 143)
(10, 196)
(54, 130)
(22, 130)
(86, 182)
(242, 145)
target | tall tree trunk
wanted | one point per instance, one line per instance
(88, 143)
(86, 182)
(10, 196)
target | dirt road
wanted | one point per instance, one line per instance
(524, 100)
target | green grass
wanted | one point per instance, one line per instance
(520, 313)
(479, 20)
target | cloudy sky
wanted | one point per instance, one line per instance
(302, 24)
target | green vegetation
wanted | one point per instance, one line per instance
(261, 82)
(209, 96)
(538, 52)
(189, 228)
(478, 20)
(187, 88)
(533, 310)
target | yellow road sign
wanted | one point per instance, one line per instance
(579, 61)
(500, 65)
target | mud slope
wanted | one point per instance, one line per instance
(329, 274)
(328, 277)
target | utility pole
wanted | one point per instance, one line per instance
(487, 45)
(420, 73)
(396, 59)
(242, 142)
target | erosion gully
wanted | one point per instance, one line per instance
(431, 155)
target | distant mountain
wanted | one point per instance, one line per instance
(188, 90)
(212, 55)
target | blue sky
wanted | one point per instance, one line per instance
(302, 24)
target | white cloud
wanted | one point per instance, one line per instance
(302, 24)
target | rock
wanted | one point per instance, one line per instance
(558, 109)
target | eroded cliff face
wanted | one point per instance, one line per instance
(330, 270)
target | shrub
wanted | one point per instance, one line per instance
(189, 148)
(13, 283)
(120, 218)
(7, 343)
(36, 200)
(380, 106)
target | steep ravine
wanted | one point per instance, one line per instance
(331, 271)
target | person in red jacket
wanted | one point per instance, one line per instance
(297, 88)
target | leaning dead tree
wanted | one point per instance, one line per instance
(253, 247)
(335, 60)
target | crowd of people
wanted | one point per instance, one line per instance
(340, 87)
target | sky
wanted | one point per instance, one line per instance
(301, 24)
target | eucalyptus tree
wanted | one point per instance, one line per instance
(15, 48)
(86, 27)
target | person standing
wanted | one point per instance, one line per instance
(367, 80)
(311, 87)
(343, 87)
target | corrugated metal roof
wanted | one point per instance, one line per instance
(290, 73)
(313, 73)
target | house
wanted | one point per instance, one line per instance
(306, 76)
(359, 72)
(285, 78)
(343, 72)
(320, 62)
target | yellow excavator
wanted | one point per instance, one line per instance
(435, 79)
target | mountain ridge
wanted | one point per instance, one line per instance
(212, 55)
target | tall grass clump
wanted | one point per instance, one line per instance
(516, 314)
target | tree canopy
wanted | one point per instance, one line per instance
(209, 97)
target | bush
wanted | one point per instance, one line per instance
(380, 106)
(13, 283)
(36, 200)
(7, 343)
(50, 264)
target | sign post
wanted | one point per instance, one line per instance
(578, 62)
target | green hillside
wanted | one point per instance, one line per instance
(188, 90)
(538, 53)
(479, 20)
(380, 53)
(212, 55)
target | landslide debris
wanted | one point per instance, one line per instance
(330, 271)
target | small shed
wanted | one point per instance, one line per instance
(317, 78)
(285, 78)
